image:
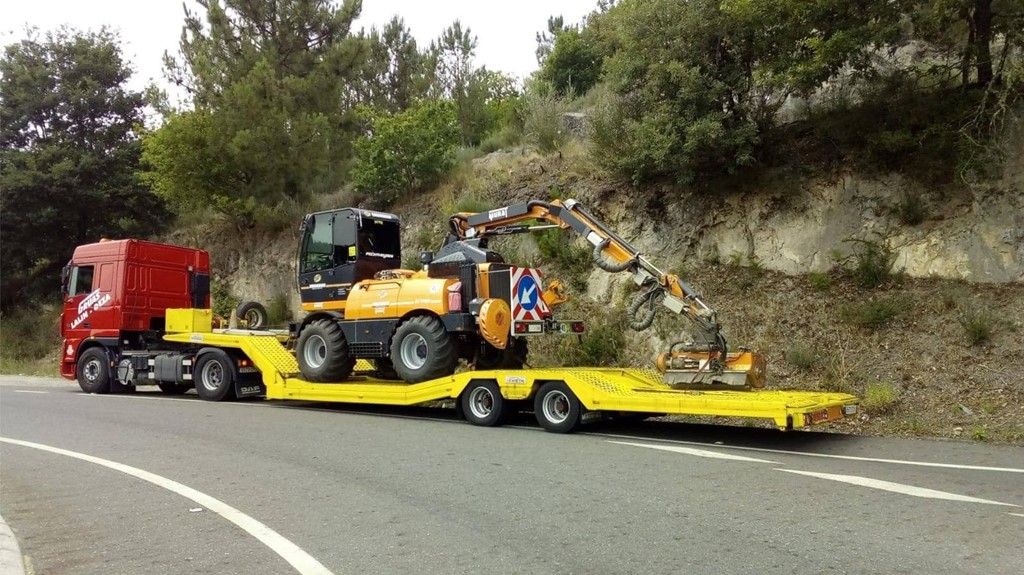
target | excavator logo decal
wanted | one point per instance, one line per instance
(526, 302)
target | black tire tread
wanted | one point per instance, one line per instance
(338, 365)
(103, 384)
(227, 390)
(445, 354)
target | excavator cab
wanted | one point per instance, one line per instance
(342, 247)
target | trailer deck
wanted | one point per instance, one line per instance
(598, 389)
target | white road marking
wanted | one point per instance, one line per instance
(697, 452)
(303, 562)
(896, 487)
(827, 455)
(28, 391)
(1016, 514)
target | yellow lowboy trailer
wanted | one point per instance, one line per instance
(246, 363)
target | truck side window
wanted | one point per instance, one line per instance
(318, 245)
(81, 280)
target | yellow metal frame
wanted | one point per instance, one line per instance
(632, 390)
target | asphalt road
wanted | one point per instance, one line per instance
(303, 488)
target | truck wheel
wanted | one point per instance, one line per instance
(214, 376)
(556, 407)
(422, 349)
(173, 388)
(254, 314)
(512, 357)
(322, 352)
(482, 403)
(94, 371)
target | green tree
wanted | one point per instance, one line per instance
(546, 39)
(573, 64)
(405, 153)
(69, 156)
(268, 80)
(396, 72)
(697, 83)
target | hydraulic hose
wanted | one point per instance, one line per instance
(600, 262)
(644, 321)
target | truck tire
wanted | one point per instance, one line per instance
(94, 371)
(214, 376)
(512, 357)
(556, 407)
(254, 314)
(173, 388)
(422, 349)
(482, 403)
(322, 352)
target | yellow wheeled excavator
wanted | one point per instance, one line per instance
(467, 302)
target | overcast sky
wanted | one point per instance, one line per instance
(506, 30)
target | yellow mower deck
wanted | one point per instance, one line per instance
(598, 389)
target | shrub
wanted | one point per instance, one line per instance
(870, 264)
(874, 313)
(558, 247)
(29, 334)
(542, 117)
(505, 138)
(978, 324)
(802, 356)
(600, 345)
(911, 211)
(222, 301)
(278, 311)
(819, 281)
(880, 397)
(404, 153)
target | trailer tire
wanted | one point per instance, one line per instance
(512, 357)
(322, 352)
(173, 388)
(422, 349)
(557, 408)
(483, 405)
(254, 314)
(93, 371)
(214, 376)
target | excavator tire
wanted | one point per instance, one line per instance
(512, 357)
(322, 352)
(422, 349)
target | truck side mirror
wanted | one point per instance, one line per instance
(426, 258)
(65, 275)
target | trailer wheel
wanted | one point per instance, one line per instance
(254, 314)
(214, 376)
(173, 388)
(422, 349)
(482, 403)
(556, 407)
(94, 371)
(512, 357)
(322, 352)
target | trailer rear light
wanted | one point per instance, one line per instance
(244, 363)
(520, 328)
(577, 327)
(455, 297)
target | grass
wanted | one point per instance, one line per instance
(278, 310)
(880, 397)
(819, 281)
(802, 356)
(978, 324)
(876, 313)
(870, 264)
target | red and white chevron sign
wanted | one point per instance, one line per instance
(527, 303)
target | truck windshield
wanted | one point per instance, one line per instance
(318, 244)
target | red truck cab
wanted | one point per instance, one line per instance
(116, 294)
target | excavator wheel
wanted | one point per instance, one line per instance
(322, 352)
(512, 357)
(422, 349)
